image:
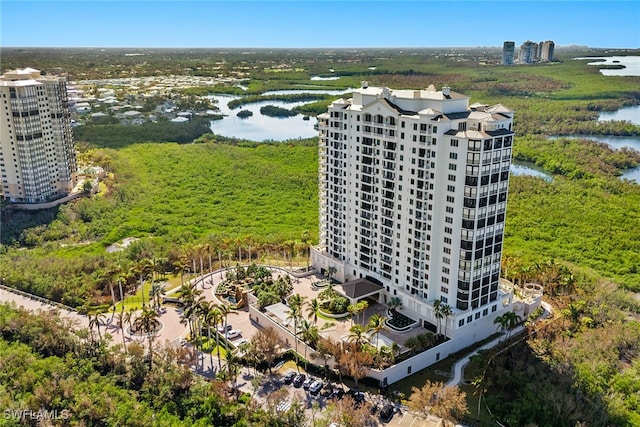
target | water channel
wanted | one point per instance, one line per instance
(264, 128)
(631, 64)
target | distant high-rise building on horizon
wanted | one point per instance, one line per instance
(413, 195)
(37, 155)
(528, 52)
(508, 52)
(546, 50)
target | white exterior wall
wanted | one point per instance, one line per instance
(37, 156)
(393, 176)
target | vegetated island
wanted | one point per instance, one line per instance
(244, 114)
(273, 111)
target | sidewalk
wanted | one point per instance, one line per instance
(459, 366)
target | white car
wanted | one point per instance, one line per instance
(224, 328)
(233, 333)
(315, 387)
(242, 342)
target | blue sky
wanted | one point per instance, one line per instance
(317, 23)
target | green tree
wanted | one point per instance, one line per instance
(376, 324)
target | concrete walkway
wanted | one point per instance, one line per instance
(458, 367)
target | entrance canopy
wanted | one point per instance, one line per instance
(360, 288)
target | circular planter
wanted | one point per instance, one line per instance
(334, 316)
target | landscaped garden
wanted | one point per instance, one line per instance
(399, 322)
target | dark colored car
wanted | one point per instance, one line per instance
(298, 380)
(288, 379)
(386, 413)
(326, 391)
(337, 393)
(358, 396)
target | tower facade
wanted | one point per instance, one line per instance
(508, 52)
(546, 50)
(37, 156)
(528, 52)
(413, 195)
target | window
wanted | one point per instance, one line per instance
(460, 322)
(453, 156)
(454, 142)
(450, 177)
(444, 290)
(451, 188)
(450, 199)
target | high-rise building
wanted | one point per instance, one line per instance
(528, 52)
(37, 156)
(546, 50)
(413, 194)
(508, 51)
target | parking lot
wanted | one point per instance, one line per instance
(271, 384)
(268, 386)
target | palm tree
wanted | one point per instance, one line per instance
(210, 315)
(216, 319)
(121, 320)
(352, 309)
(95, 319)
(296, 302)
(446, 311)
(310, 335)
(375, 325)
(225, 310)
(357, 335)
(157, 291)
(512, 320)
(147, 322)
(437, 312)
(394, 303)
(312, 309)
(181, 266)
(306, 244)
(508, 321)
(331, 271)
(190, 297)
(362, 307)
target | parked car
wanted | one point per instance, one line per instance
(337, 393)
(233, 333)
(357, 395)
(307, 383)
(224, 328)
(326, 391)
(386, 413)
(315, 387)
(298, 380)
(288, 378)
(241, 342)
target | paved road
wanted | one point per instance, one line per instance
(172, 331)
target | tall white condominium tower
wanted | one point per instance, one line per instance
(37, 156)
(413, 193)
(508, 51)
(546, 50)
